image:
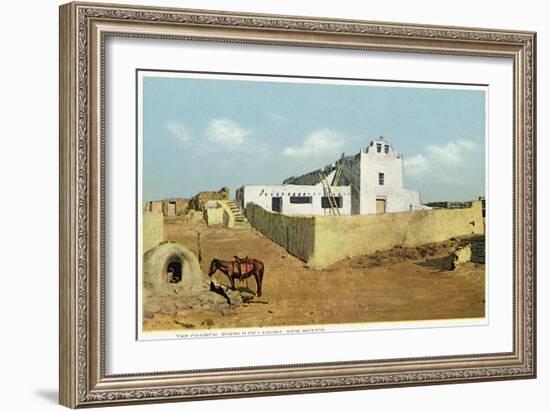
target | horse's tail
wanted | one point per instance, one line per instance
(214, 264)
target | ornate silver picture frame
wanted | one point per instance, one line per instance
(85, 30)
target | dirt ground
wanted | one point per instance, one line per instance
(401, 284)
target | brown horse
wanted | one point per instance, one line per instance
(252, 266)
(240, 269)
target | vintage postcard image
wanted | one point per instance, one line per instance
(286, 204)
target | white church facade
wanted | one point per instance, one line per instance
(292, 199)
(369, 182)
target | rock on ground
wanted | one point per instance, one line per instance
(462, 255)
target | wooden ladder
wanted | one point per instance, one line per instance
(338, 174)
(334, 210)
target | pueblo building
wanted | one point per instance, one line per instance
(369, 182)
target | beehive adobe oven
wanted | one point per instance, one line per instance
(170, 269)
(173, 281)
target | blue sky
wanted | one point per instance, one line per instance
(202, 134)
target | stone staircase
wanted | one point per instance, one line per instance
(240, 221)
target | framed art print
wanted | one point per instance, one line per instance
(259, 204)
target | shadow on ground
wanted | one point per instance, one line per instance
(49, 395)
(440, 264)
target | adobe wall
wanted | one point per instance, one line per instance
(294, 233)
(345, 236)
(214, 215)
(321, 241)
(351, 176)
(263, 196)
(152, 229)
(154, 206)
(198, 201)
(181, 205)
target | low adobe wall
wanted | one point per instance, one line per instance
(321, 241)
(214, 215)
(152, 229)
(294, 233)
(366, 234)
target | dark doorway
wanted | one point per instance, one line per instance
(277, 204)
(173, 272)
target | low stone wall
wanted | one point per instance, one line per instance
(321, 241)
(152, 229)
(294, 233)
(198, 202)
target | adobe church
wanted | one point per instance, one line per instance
(369, 182)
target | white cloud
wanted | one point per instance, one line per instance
(179, 131)
(453, 152)
(416, 165)
(227, 132)
(319, 143)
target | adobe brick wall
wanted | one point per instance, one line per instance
(321, 241)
